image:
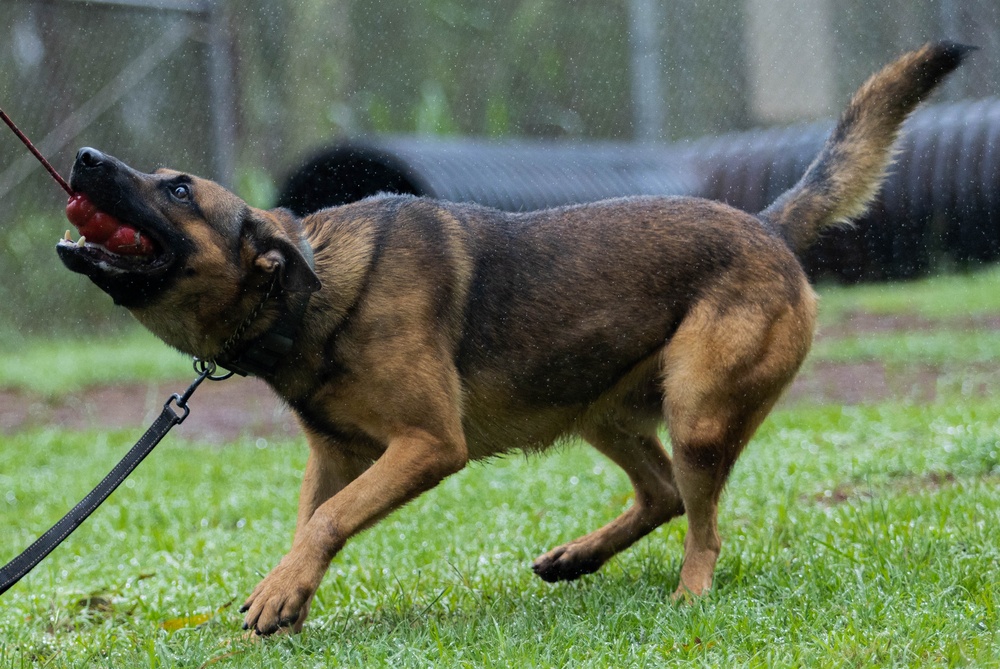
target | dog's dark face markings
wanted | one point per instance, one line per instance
(209, 246)
(144, 201)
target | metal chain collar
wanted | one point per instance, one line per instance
(234, 339)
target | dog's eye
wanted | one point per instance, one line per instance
(181, 192)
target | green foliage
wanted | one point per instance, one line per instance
(432, 117)
(497, 117)
(38, 294)
(256, 187)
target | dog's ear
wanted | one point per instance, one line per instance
(276, 253)
(294, 273)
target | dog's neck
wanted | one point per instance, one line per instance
(262, 355)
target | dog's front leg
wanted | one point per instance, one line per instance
(331, 466)
(414, 461)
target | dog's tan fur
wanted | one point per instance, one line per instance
(446, 332)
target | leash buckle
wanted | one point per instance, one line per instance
(181, 404)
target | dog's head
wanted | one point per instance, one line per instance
(194, 249)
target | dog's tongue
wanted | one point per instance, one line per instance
(106, 230)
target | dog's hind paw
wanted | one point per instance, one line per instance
(566, 563)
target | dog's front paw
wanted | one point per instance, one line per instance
(282, 599)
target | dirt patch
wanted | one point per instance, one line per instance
(855, 323)
(220, 412)
(839, 383)
(870, 382)
(911, 484)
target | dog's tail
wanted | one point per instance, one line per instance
(839, 185)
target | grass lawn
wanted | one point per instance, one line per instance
(853, 535)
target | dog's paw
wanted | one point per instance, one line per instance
(566, 563)
(281, 600)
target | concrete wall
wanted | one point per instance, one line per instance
(790, 53)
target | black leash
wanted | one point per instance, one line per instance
(17, 568)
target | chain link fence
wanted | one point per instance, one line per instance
(132, 76)
(141, 87)
(242, 91)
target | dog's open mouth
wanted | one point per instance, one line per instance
(107, 242)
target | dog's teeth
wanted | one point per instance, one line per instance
(82, 241)
(67, 237)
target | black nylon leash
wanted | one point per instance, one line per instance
(17, 568)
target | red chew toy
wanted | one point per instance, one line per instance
(106, 230)
(79, 209)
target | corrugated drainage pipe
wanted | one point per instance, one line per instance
(511, 175)
(940, 203)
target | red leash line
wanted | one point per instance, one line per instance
(35, 152)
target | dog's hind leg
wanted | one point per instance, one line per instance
(723, 373)
(705, 448)
(656, 501)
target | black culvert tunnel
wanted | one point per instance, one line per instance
(513, 176)
(940, 204)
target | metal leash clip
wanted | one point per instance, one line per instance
(206, 370)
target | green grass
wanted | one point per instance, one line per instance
(59, 367)
(864, 536)
(853, 536)
(948, 296)
(932, 347)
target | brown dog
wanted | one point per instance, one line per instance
(410, 336)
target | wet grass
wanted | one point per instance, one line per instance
(972, 293)
(867, 537)
(861, 536)
(908, 347)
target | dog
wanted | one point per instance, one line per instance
(410, 336)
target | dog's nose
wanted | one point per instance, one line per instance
(88, 157)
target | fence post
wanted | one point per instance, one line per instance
(647, 91)
(222, 95)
